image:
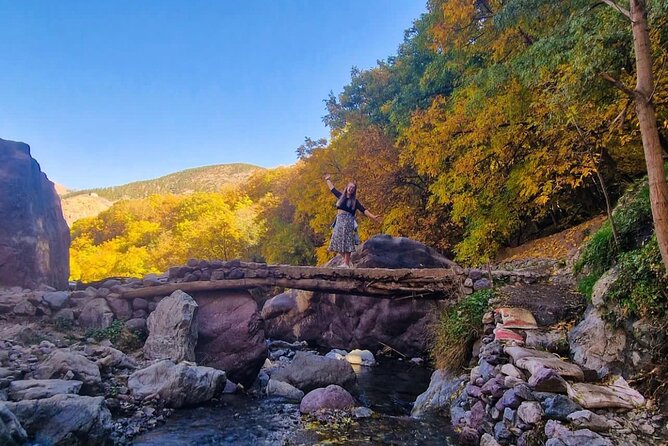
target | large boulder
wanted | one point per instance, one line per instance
(65, 363)
(439, 395)
(37, 389)
(96, 314)
(332, 397)
(177, 385)
(65, 419)
(172, 329)
(597, 344)
(349, 322)
(11, 431)
(308, 371)
(34, 237)
(231, 334)
(385, 251)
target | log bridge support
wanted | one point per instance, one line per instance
(425, 283)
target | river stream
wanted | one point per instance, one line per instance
(389, 389)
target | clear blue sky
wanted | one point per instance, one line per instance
(108, 92)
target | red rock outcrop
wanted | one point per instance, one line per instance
(34, 238)
(230, 334)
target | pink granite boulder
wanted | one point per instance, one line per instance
(330, 397)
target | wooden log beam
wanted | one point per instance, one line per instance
(360, 284)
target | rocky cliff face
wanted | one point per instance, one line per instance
(34, 238)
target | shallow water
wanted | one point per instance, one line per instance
(388, 389)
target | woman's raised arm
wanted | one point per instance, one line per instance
(329, 182)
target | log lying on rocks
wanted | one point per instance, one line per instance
(436, 283)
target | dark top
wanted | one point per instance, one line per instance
(344, 206)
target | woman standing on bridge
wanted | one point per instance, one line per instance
(345, 227)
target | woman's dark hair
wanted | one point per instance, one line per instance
(349, 201)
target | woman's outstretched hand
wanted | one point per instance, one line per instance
(327, 176)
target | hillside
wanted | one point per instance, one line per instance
(198, 179)
(90, 202)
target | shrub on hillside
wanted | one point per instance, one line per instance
(457, 328)
(642, 287)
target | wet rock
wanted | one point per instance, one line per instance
(280, 388)
(558, 407)
(52, 420)
(11, 431)
(362, 412)
(65, 363)
(330, 397)
(530, 412)
(308, 371)
(361, 357)
(438, 396)
(337, 354)
(35, 389)
(589, 420)
(172, 329)
(177, 385)
(556, 431)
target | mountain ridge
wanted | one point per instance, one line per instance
(90, 202)
(196, 179)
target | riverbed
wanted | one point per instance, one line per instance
(389, 389)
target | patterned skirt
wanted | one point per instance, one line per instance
(344, 235)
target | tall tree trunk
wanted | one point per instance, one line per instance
(658, 186)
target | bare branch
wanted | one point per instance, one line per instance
(619, 84)
(614, 5)
(621, 115)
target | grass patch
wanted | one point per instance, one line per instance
(122, 338)
(642, 287)
(586, 284)
(457, 328)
